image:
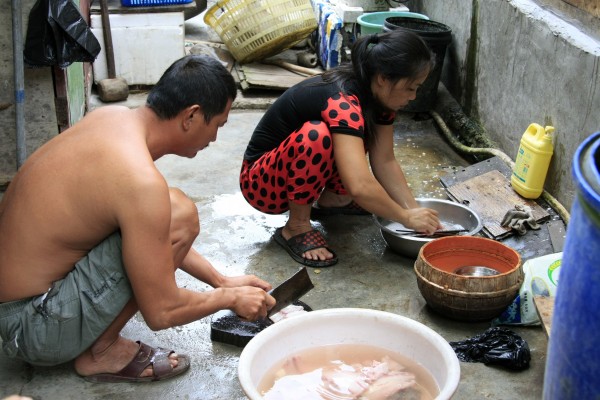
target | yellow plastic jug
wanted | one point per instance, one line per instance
(533, 160)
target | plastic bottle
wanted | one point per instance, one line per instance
(533, 160)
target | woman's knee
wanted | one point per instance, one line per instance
(316, 130)
(317, 136)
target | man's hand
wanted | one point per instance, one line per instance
(246, 280)
(251, 303)
(251, 298)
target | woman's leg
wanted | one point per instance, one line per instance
(334, 195)
(290, 178)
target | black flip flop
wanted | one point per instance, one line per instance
(299, 244)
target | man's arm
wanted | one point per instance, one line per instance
(200, 268)
(144, 216)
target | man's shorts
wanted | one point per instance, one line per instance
(59, 325)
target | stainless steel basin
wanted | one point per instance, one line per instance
(452, 216)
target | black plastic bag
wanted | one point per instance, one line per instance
(495, 346)
(58, 35)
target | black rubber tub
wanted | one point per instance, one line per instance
(437, 36)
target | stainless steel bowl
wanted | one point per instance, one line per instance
(476, 271)
(452, 216)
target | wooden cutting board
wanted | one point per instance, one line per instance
(262, 76)
(545, 309)
(490, 195)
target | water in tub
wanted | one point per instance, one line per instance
(348, 371)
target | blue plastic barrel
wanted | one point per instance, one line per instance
(573, 361)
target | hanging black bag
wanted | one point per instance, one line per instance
(58, 35)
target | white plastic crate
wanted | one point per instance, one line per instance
(144, 45)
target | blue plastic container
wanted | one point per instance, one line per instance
(573, 358)
(150, 3)
(373, 22)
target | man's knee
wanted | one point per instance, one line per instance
(184, 213)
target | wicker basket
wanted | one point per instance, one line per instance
(257, 29)
(463, 297)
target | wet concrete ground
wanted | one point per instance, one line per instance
(237, 239)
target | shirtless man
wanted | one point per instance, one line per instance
(90, 233)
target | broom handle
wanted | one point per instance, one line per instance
(108, 45)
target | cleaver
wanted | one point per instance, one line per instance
(290, 290)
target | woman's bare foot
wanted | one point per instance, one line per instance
(320, 253)
(112, 358)
(298, 223)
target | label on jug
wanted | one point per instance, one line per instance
(522, 165)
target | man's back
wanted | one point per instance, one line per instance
(64, 199)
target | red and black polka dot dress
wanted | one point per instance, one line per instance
(290, 154)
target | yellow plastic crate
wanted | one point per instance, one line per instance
(256, 29)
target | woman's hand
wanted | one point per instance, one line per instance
(422, 220)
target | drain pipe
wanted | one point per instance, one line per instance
(19, 81)
(554, 203)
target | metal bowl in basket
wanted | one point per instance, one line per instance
(470, 296)
(453, 216)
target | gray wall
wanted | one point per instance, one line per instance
(40, 111)
(513, 62)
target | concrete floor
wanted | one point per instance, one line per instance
(237, 240)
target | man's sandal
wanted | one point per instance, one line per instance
(157, 358)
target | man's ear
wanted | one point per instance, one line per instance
(191, 114)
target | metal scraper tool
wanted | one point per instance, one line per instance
(290, 290)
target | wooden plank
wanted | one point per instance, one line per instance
(471, 171)
(490, 195)
(61, 101)
(545, 308)
(534, 243)
(263, 76)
